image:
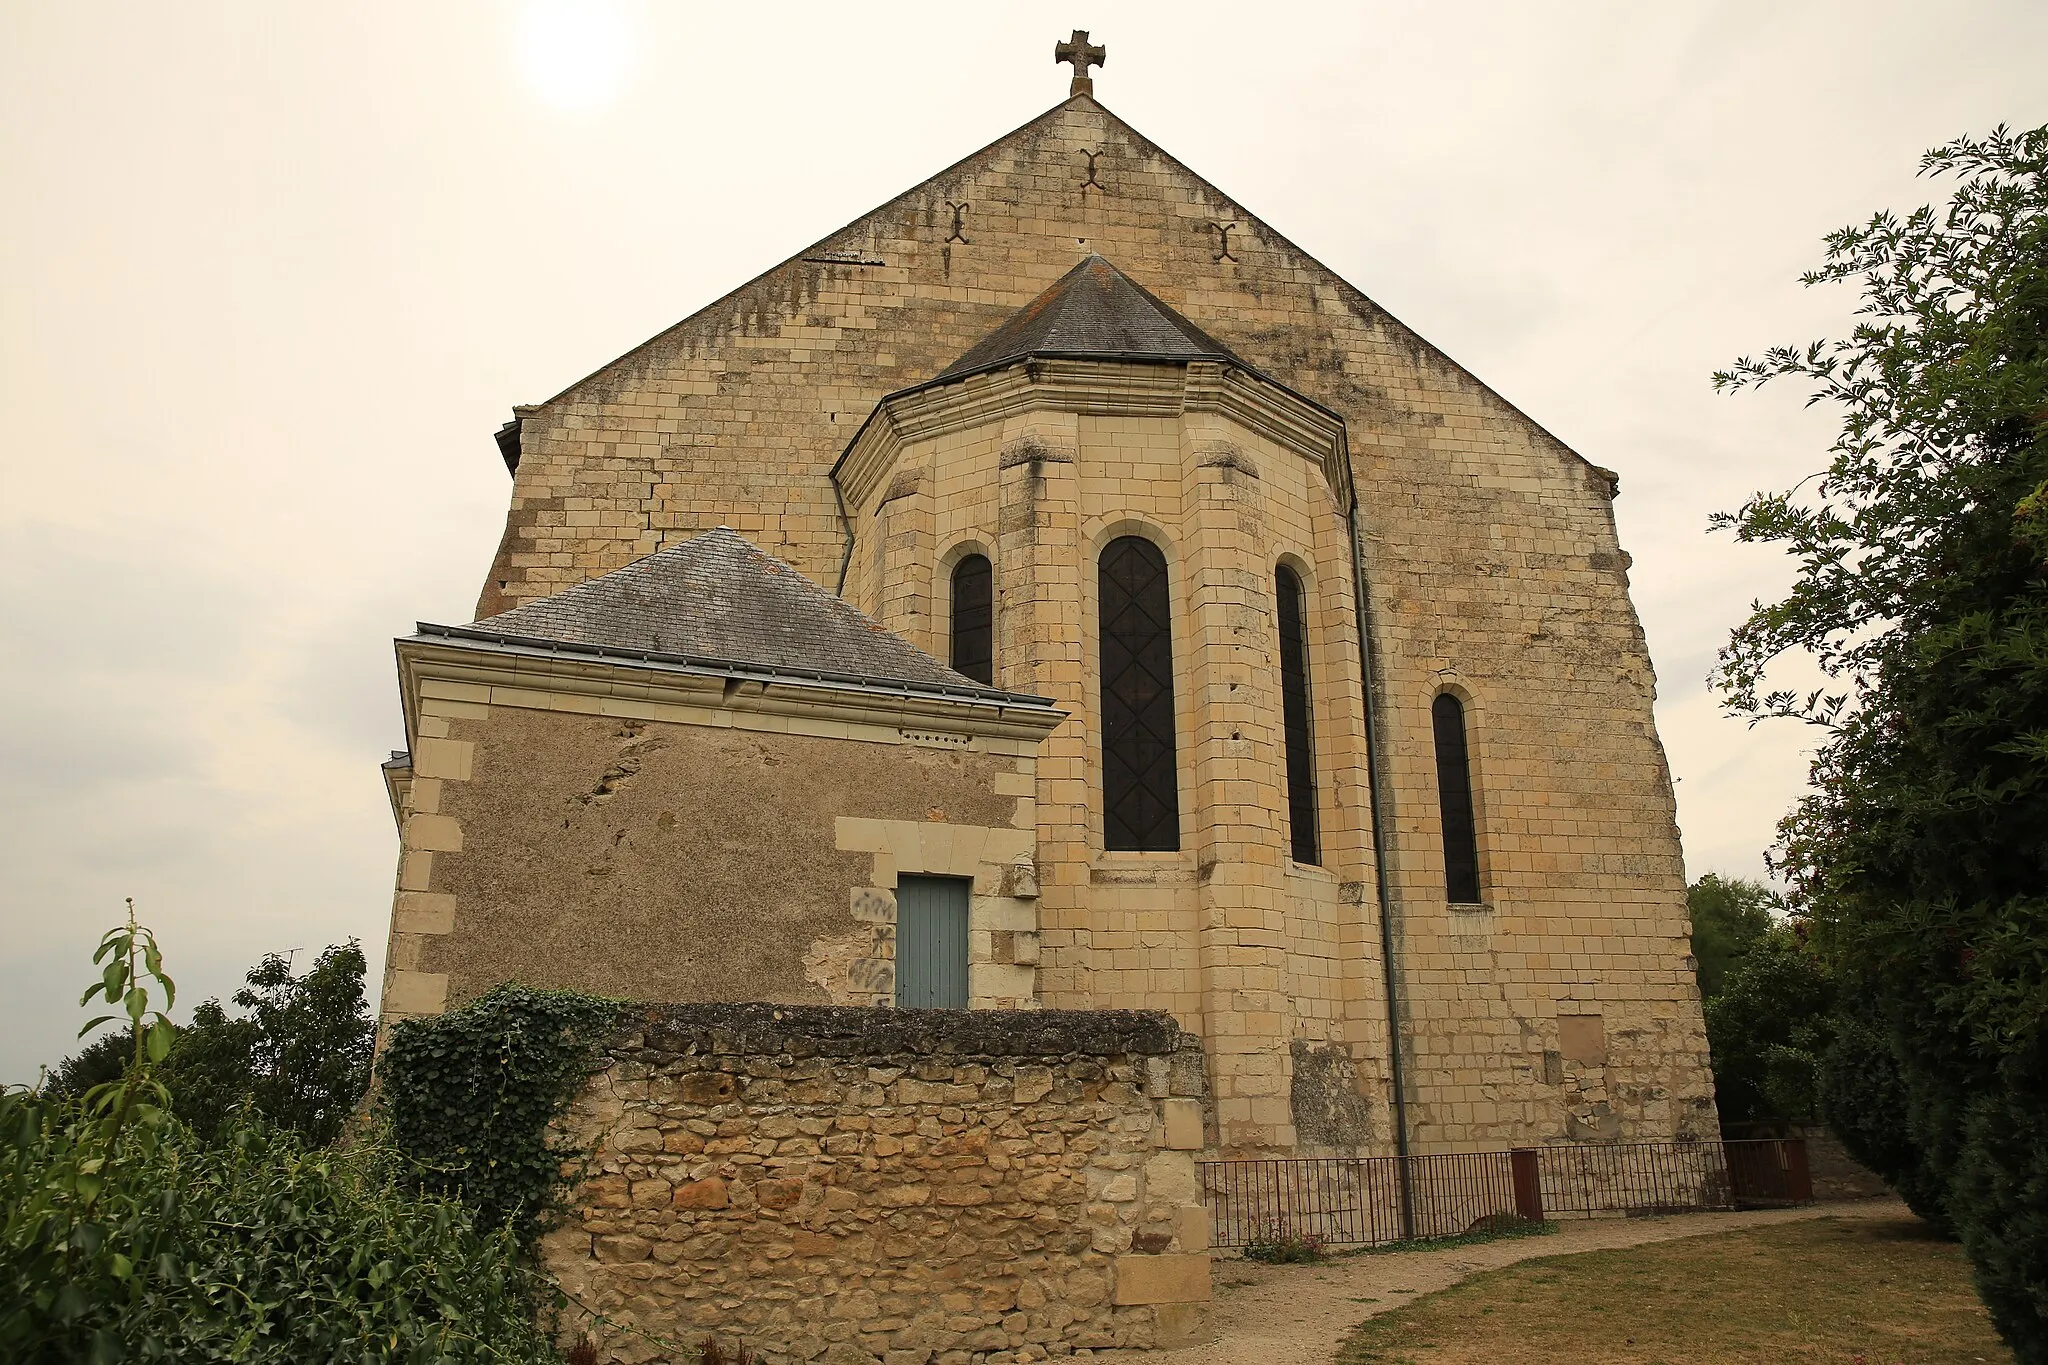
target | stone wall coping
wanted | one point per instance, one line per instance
(754, 1029)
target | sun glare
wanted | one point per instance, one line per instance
(574, 53)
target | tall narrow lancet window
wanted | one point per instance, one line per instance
(974, 617)
(1454, 798)
(1140, 784)
(1294, 716)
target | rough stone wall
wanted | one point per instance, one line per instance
(657, 859)
(860, 1186)
(1489, 548)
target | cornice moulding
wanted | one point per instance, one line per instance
(1095, 388)
(472, 664)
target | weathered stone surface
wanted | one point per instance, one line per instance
(702, 1194)
(1183, 1125)
(1162, 1279)
(925, 1199)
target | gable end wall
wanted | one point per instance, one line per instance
(1489, 548)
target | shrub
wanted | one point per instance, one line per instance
(142, 1245)
(124, 1235)
(1921, 593)
(1277, 1243)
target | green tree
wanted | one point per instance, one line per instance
(313, 1040)
(104, 1059)
(1921, 594)
(211, 1071)
(1767, 1028)
(1728, 916)
(300, 1054)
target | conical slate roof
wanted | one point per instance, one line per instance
(1093, 312)
(716, 599)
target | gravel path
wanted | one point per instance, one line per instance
(1299, 1314)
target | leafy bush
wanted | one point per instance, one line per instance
(1864, 1100)
(126, 1236)
(468, 1096)
(250, 1248)
(1277, 1243)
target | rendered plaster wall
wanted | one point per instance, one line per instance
(861, 1186)
(661, 860)
(1489, 548)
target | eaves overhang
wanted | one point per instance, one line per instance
(493, 660)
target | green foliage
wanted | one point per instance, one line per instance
(104, 1059)
(251, 1248)
(300, 1054)
(1767, 1029)
(126, 1236)
(1863, 1097)
(469, 1094)
(211, 1071)
(1921, 593)
(1277, 1243)
(1728, 916)
(131, 976)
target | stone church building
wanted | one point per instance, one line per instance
(1056, 589)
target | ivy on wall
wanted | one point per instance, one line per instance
(469, 1095)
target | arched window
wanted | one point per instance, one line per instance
(1140, 788)
(1294, 716)
(974, 617)
(1454, 799)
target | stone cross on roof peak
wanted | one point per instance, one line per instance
(1077, 51)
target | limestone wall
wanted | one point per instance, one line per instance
(888, 1187)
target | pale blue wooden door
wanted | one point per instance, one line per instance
(931, 943)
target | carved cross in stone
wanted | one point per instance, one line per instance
(1077, 51)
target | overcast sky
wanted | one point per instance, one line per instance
(270, 275)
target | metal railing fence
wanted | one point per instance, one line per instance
(1370, 1201)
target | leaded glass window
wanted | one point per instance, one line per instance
(1140, 785)
(974, 619)
(1454, 799)
(1294, 715)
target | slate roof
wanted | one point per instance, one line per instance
(1095, 312)
(717, 601)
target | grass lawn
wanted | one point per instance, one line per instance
(1853, 1292)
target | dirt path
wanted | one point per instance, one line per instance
(1299, 1314)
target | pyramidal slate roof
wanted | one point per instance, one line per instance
(1095, 312)
(717, 601)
